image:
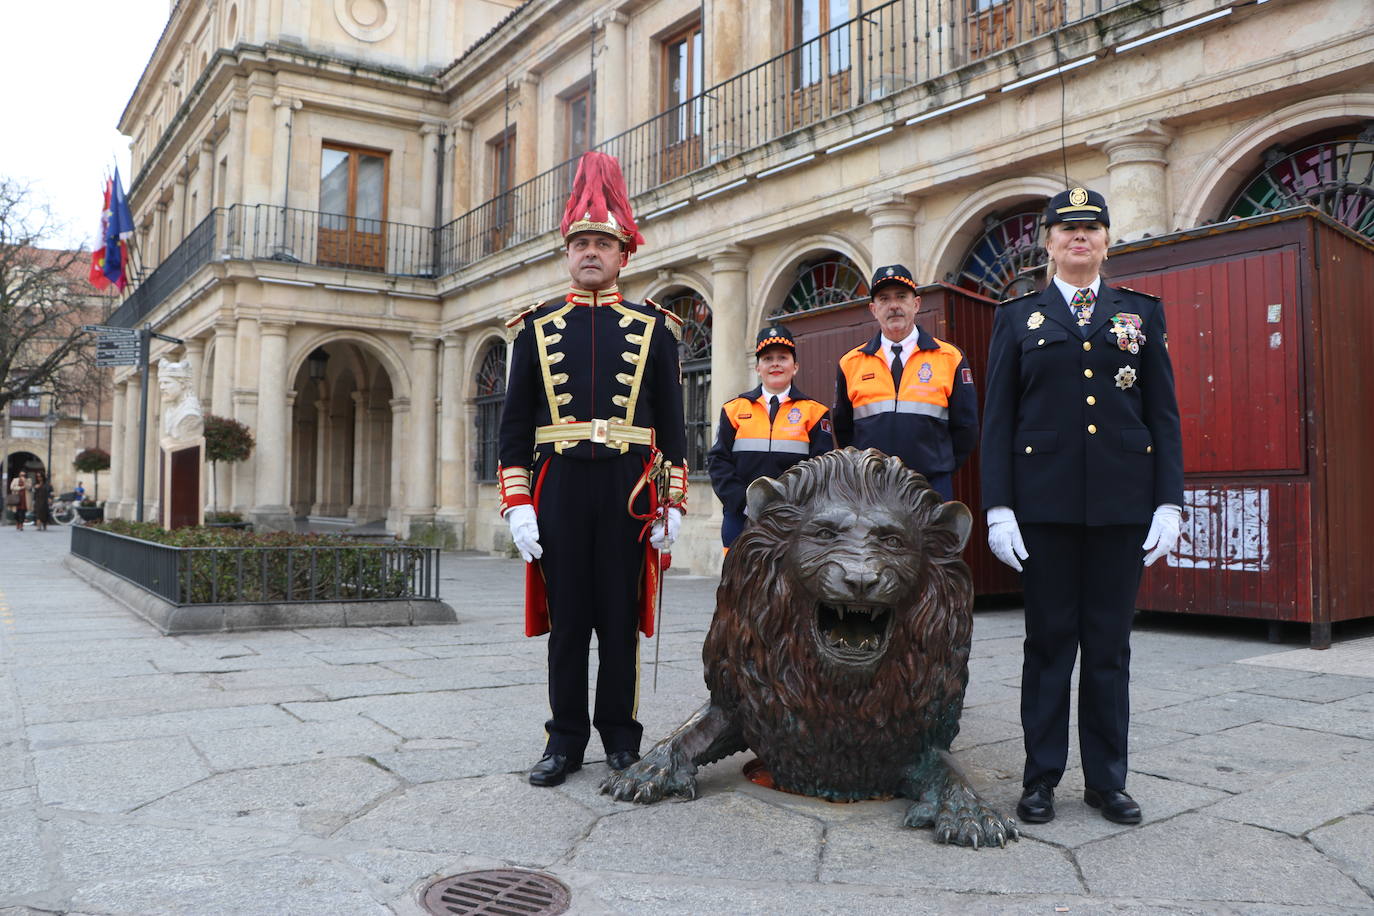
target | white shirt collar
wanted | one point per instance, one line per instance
(783, 396)
(1068, 289)
(910, 344)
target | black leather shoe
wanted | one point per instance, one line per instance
(552, 769)
(619, 760)
(1116, 805)
(1037, 804)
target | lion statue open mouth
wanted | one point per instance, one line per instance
(839, 649)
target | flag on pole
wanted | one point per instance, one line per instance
(109, 264)
(97, 275)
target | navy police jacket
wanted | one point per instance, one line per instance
(1080, 424)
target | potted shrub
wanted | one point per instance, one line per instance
(91, 461)
(230, 441)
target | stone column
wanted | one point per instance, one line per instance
(118, 457)
(361, 453)
(281, 134)
(195, 352)
(401, 419)
(527, 130)
(129, 446)
(245, 403)
(221, 383)
(612, 83)
(270, 510)
(420, 441)
(205, 170)
(1138, 169)
(460, 195)
(731, 340)
(452, 435)
(429, 171)
(324, 460)
(235, 152)
(152, 476)
(177, 214)
(893, 221)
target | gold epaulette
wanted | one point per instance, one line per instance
(674, 322)
(513, 326)
(1139, 293)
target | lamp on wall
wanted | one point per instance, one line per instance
(316, 364)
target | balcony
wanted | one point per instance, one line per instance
(250, 232)
(876, 54)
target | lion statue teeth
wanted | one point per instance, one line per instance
(839, 648)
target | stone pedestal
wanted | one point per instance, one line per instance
(181, 473)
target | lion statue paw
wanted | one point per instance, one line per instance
(658, 775)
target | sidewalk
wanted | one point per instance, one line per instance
(338, 771)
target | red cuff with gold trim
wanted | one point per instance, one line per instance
(514, 487)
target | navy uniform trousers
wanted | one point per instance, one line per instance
(1080, 586)
(592, 570)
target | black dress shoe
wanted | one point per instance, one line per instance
(1037, 804)
(1116, 805)
(619, 760)
(552, 769)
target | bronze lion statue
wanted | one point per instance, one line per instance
(838, 652)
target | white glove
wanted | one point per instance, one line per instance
(1163, 536)
(524, 531)
(1004, 537)
(662, 540)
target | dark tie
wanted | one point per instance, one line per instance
(772, 409)
(897, 367)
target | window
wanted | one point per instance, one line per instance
(1006, 259)
(997, 24)
(491, 395)
(821, 282)
(579, 113)
(681, 121)
(353, 189)
(1336, 176)
(502, 181)
(694, 353)
(821, 50)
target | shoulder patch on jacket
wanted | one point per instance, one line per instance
(673, 322)
(515, 324)
(1016, 299)
(1127, 289)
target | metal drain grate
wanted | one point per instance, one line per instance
(498, 892)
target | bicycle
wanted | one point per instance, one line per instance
(63, 509)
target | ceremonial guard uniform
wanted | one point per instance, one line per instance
(1081, 449)
(917, 403)
(757, 437)
(592, 436)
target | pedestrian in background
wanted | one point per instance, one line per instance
(1082, 464)
(765, 430)
(41, 496)
(18, 500)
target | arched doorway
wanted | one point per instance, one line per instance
(1333, 171)
(490, 386)
(341, 445)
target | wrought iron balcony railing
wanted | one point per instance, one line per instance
(874, 55)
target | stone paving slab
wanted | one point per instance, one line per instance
(339, 771)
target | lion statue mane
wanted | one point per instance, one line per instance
(839, 648)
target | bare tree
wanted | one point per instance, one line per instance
(45, 298)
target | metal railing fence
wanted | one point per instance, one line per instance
(254, 575)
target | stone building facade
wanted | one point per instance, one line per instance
(339, 204)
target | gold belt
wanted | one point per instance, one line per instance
(602, 431)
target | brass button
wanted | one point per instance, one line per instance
(1087, 373)
(1041, 342)
(1028, 450)
(1149, 449)
(1087, 345)
(1091, 400)
(1092, 430)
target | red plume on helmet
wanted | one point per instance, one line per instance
(600, 202)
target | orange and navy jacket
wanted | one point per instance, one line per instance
(931, 424)
(749, 447)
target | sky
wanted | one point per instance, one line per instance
(67, 70)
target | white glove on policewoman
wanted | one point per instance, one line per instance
(661, 539)
(1004, 537)
(1163, 536)
(524, 531)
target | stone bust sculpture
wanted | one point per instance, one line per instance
(183, 419)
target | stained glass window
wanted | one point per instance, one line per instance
(1004, 260)
(1336, 176)
(833, 280)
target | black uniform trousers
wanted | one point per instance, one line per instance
(1080, 585)
(592, 566)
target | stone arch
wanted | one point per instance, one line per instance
(668, 280)
(965, 225)
(1219, 176)
(779, 276)
(344, 438)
